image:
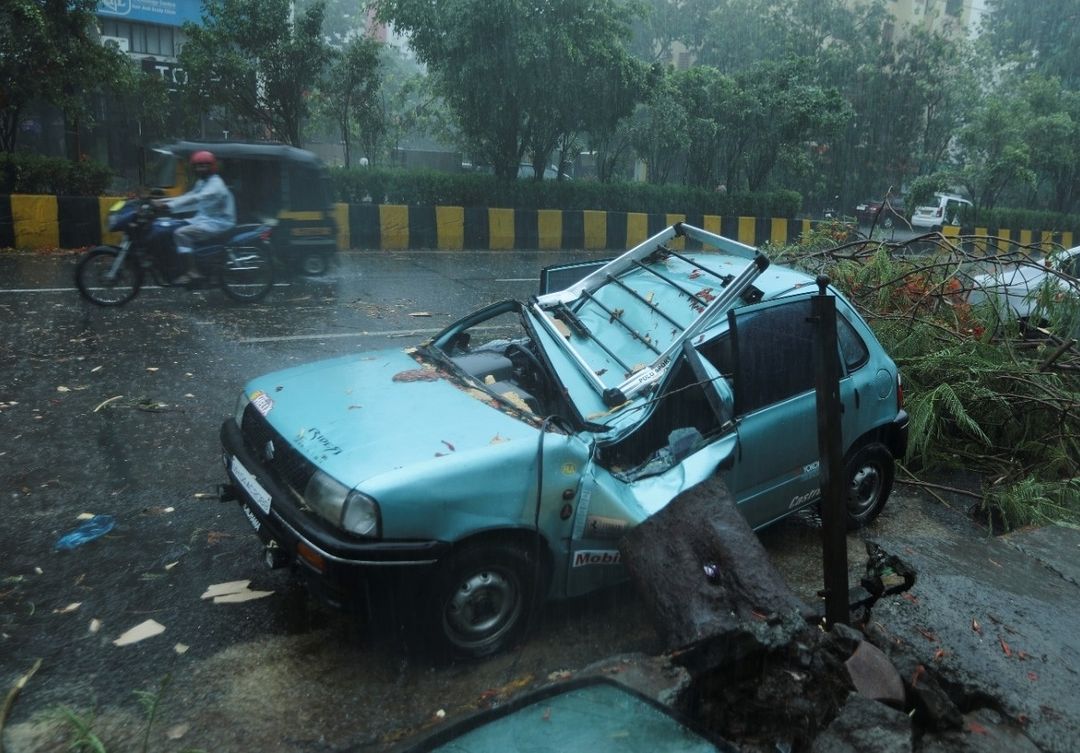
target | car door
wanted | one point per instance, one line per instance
(770, 354)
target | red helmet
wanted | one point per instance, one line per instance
(204, 158)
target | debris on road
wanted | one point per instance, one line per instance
(9, 699)
(103, 403)
(220, 589)
(234, 592)
(241, 596)
(94, 528)
(140, 632)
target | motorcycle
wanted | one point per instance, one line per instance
(237, 260)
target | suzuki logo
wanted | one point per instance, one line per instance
(268, 451)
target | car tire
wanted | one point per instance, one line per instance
(482, 599)
(868, 478)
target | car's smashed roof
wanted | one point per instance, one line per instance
(624, 322)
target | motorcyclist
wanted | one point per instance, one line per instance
(215, 212)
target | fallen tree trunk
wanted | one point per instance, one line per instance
(704, 575)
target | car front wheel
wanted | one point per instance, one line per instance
(483, 599)
(868, 475)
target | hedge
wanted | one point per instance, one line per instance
(1028, 219)
(27, 173)
(428, 187)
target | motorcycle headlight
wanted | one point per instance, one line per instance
(346, 508)
(241, 404)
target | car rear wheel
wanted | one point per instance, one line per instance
(315, 264)
(868, 474)
(483, 599)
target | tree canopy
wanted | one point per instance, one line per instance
(519, 76)
(49, 50)
(257, 62)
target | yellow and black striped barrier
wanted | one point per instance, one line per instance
(388, 226)
(39, 222)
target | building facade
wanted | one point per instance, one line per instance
(953, 18)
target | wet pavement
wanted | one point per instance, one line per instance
(117, 412)
(994, 622)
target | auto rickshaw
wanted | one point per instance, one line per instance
(273, 183)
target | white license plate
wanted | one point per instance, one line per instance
(258, 495)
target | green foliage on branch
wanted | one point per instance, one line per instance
(985, 393)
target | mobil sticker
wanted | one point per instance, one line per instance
(597, 557)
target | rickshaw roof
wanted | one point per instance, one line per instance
(267, 150)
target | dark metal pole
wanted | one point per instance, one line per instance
(833, 502)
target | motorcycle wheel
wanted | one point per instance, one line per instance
(97, 285)
(247, 273)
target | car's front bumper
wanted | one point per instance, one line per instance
(335, 565)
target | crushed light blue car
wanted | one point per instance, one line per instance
(503, 460)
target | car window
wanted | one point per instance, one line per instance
(682, 418)
(773, 354)
(497, 350)
(852, 348)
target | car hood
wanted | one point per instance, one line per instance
(362, 416)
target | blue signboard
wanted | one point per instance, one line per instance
(167, 12)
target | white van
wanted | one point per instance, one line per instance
(944, 211)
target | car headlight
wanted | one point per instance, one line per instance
(347, 508)
(361, 514)
(241, 404)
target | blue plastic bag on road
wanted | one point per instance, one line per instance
(97, 526)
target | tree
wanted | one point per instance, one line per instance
(258, 63)
(351, 87)
(1042, 36)
(1052, 133)
(785, 109)
(49, 52)
(520, 76)
(993, 153)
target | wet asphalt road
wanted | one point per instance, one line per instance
(117, 412)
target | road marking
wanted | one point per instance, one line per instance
(339, 335)
(144, 287)
(517, 279)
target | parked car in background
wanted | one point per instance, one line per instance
(945, 210)
(885, 213)
(1022, 288)
(502, 461)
